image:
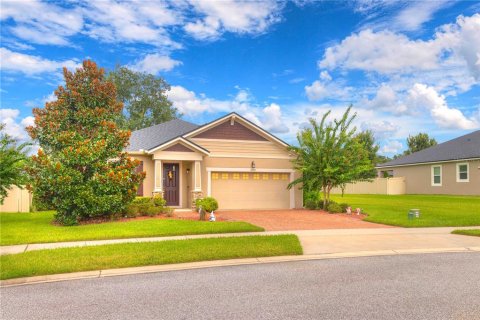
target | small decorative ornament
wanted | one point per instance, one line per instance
(358, 211)
(212, 217)
(349, 210)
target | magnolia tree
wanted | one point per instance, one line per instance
(81, 169)
(330, 155)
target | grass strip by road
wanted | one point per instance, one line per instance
(436, 210)
(469, 232)
(37, 227)
(64, 260)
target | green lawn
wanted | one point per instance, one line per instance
(472, 232)
(436, 210)
(34, 263)
(19, 228)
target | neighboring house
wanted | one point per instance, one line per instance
(230, 159)
(452, 167)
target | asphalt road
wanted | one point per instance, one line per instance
(429, 286)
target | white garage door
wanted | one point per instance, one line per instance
(240, 190)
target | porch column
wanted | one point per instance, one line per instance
(197, 182)
(198, 177)
(158, 187)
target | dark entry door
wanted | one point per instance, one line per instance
(171, 188)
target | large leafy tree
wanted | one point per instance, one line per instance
(367, 140)
(12, 159)
(329, 155)
(419, 142)
(144, 98)
(81, 169)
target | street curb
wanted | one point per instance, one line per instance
(222, 263)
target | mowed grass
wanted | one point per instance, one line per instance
(43, 262)
(436, 210)
(21, 228)
(472, 232)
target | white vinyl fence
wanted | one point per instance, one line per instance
(17, 200)
(393, 185)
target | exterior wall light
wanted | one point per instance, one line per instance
(253, 165)
(188, 170)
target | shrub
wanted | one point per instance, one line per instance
(132, 211)
(208, 204)
(158, 201)
(334, 207)
(142, 200)
(311, 204)
(313, 200)
(168, 211)
(151, 211)
(39, 205)
(344, 206)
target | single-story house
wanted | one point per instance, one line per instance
(452, 167)
(231, 159)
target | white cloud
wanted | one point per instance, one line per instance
(155, 63)
(16, 130)
(381, 129)
(238, 16)
(384, 52)
(454, 46)
(386, 99)
(416, 14)
(191, 104)
(30, 64)
(133, 21)
(398, 15)
(392, 147)
(316, 91)
(42, 22)
(326, 89)
(269, 118)
(422, 96)
(325, 76)
(296, 80)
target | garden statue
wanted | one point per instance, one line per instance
(212, 217)
(349, 210)
(358, 211)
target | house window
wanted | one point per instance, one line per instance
(236, 176)
(224, 176)
(215, 176)
(284, 176)
(265, 176)
(462, 172)
(245, 176)
(436, 175)
(256, 176)
(276, 176)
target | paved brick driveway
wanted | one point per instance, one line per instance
(274, 220)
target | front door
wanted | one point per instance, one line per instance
(171, 188)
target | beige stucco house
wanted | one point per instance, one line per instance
(231, 159)
(452, 167)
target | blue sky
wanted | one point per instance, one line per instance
(406, 67)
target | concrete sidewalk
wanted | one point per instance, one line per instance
(313, 241)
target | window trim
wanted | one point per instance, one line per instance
(433, 175)
(458, 172)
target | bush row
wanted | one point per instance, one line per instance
(313, 200)
(148, 206)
